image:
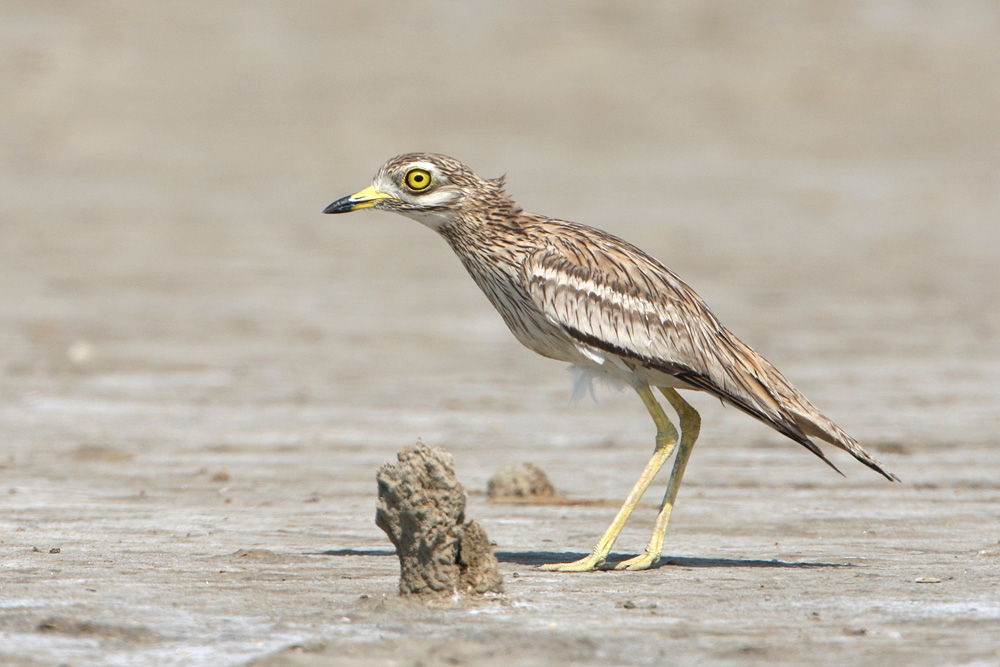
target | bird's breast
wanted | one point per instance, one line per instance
(532, 328)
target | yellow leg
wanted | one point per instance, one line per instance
(666, 438)
(690, 427)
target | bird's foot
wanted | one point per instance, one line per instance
(586, 564)
(641, 562)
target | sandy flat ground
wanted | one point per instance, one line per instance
(200, 374)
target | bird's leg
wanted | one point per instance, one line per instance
(690, 427)
(666, 438)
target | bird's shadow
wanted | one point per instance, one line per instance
(536, 558)
(542, 557)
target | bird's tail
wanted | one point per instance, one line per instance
(786, 409)
(814, 423)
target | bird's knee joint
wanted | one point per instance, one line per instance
(665, 438)
(691, 425)
(690, 421)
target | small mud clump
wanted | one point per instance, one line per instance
(421, 507)
(529, 482)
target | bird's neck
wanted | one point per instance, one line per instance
(492, 210)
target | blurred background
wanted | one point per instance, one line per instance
(827, 175)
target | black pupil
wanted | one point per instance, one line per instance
(418, 178)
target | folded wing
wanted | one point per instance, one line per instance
(610, 296)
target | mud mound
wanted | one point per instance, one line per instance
(421, 507)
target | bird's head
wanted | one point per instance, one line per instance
(432, 189)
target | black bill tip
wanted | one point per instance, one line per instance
(342, 205)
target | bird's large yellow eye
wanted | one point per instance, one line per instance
(417, 179)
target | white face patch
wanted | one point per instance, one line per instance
(433, 219)
(437, 196)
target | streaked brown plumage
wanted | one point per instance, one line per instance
(580, 295)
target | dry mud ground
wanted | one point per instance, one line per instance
(200, 374)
